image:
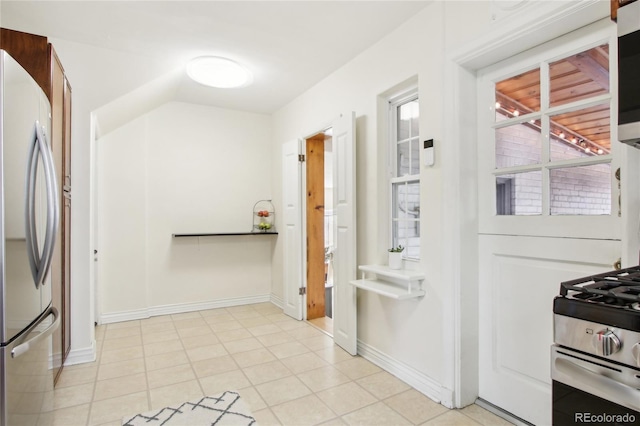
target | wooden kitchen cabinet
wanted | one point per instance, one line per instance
(66, 223)
(39, 58)
(61, 145)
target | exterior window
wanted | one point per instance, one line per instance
(405, 175)
(552, 138)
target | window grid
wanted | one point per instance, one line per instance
(546, 164)
(405, 175)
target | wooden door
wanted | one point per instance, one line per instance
(314, 159)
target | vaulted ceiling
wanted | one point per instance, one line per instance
(288, 45)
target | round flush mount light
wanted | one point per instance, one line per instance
(219, 72)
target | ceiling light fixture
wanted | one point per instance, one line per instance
(218, 72)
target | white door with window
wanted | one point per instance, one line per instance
(549, 205)
(344, 255)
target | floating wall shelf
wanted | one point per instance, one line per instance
(400, 284)
(222, 234)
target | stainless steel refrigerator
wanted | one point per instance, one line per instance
(29, 218)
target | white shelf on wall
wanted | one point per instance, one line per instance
(400, 284)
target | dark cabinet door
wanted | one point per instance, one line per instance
(66, 224)
(57, 146)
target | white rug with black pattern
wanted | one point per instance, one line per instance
(220, 410)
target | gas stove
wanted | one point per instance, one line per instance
(596, 352)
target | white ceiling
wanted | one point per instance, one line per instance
(288, 45)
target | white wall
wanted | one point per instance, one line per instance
(408, 332)
(182, 168)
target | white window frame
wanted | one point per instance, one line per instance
(599, 227)
(394, 179)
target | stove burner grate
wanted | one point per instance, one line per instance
(615, 288)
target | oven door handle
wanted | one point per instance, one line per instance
(572, 374)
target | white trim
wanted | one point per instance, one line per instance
(82, 355)
(534, 24)
(277, 300)
(417, 379)
(178, 308)
(411, 94)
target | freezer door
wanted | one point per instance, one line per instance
(25, 199)
(26, 376)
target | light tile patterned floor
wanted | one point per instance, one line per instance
(288, 372)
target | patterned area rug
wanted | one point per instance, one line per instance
(220, 410)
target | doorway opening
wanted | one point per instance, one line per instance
(320, 215)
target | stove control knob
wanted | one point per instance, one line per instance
(606, 342)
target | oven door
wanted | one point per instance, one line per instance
(592, 390)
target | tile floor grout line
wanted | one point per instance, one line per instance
(95, 381)
(146, 372)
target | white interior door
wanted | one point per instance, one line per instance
(538, 220)
(293, 261)
(345, 262)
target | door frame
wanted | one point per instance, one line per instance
(529, 24)
(345, 323)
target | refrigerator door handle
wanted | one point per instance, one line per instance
(53, 204)
(40, 262)
(23, 346)
(30, 214)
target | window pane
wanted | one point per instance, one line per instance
(518, 95)
(406, 196)
(406, 217)
(519, 194)
(407, 234)
(584, 190)
(408, 114)
(581, 133)
(580, 76)
(518, 145)
(408, 158)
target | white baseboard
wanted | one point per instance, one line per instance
(277, 301)
(153, 311)
(418, 380)
(82, 355)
